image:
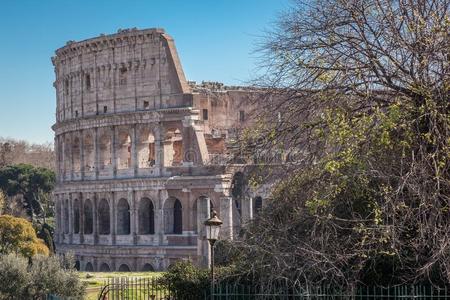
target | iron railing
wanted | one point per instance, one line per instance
(120, 288)
(241, 292)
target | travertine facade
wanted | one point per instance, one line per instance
(141, 154)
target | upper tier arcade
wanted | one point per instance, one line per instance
(132, 70)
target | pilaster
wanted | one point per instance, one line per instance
(96, 153)
(134, 159)
(247, 209)
(70, 203)
(114, 150)
(226, 214)
(203, 249)
(113, 218)
(82, 154)
(95, 217)
(81, 218)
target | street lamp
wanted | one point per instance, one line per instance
(212, 235)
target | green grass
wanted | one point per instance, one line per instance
(96, 280)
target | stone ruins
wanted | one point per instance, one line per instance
(142, 154)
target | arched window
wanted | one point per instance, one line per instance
(89, 267)
(173, 216)
(124, 151)
(59, 217)
(60, 153)
(104, 267)
(76, 216)
(88, 148)
(66, 216)
(238, 189)
(88, 217)
(76, 154)
(177, 218)
(147, 268)
(146, 217)
(258, 204)
(67, 158)
(146, 149)
(103, 217)
(105, 151)
(173, 148)
(124, 268)
(77, 265)
(123, 217)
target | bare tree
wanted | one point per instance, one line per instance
(359, 91)
(17, 151)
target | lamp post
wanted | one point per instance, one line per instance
(212, 235)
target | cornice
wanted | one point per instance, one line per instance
(123, 118)
(122, 37)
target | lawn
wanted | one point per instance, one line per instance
(96, 280)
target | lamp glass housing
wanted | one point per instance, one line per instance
(212, 227)
(212, 232)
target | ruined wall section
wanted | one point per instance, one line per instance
(224, 113)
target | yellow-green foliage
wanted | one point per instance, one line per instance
(17, 235)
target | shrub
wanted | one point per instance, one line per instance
(187, 281)
(22, 278)
(14, 276)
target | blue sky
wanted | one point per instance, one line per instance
(215, 39)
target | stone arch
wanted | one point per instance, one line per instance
(88, 217)
(146, 149)
(76, 216)
(60, 155)
(123, 217)
(66, 156)
(173, 147)
(147, 268)
(89, 153)
(104, 224)
(124, 150)
(76, 154)
(194, 211)
(146, 217)
(104, 267)
(59, 216)
(105, 151)
(89, 267)
(66, 216)
(257, 204)
(238, 189)
(77, 265)
(124, 268)
(173, 216)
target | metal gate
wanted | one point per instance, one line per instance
(135, 289)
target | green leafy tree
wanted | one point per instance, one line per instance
(17, 235)
(34, 183)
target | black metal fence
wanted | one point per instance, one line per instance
(135, 289)
(155, 289)
(242, 292)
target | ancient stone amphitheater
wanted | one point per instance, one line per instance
(142, 154)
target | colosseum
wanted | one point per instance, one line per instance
(143, 154)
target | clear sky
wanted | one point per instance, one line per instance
(215, 39)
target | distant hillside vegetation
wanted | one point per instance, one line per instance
(14, 151)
